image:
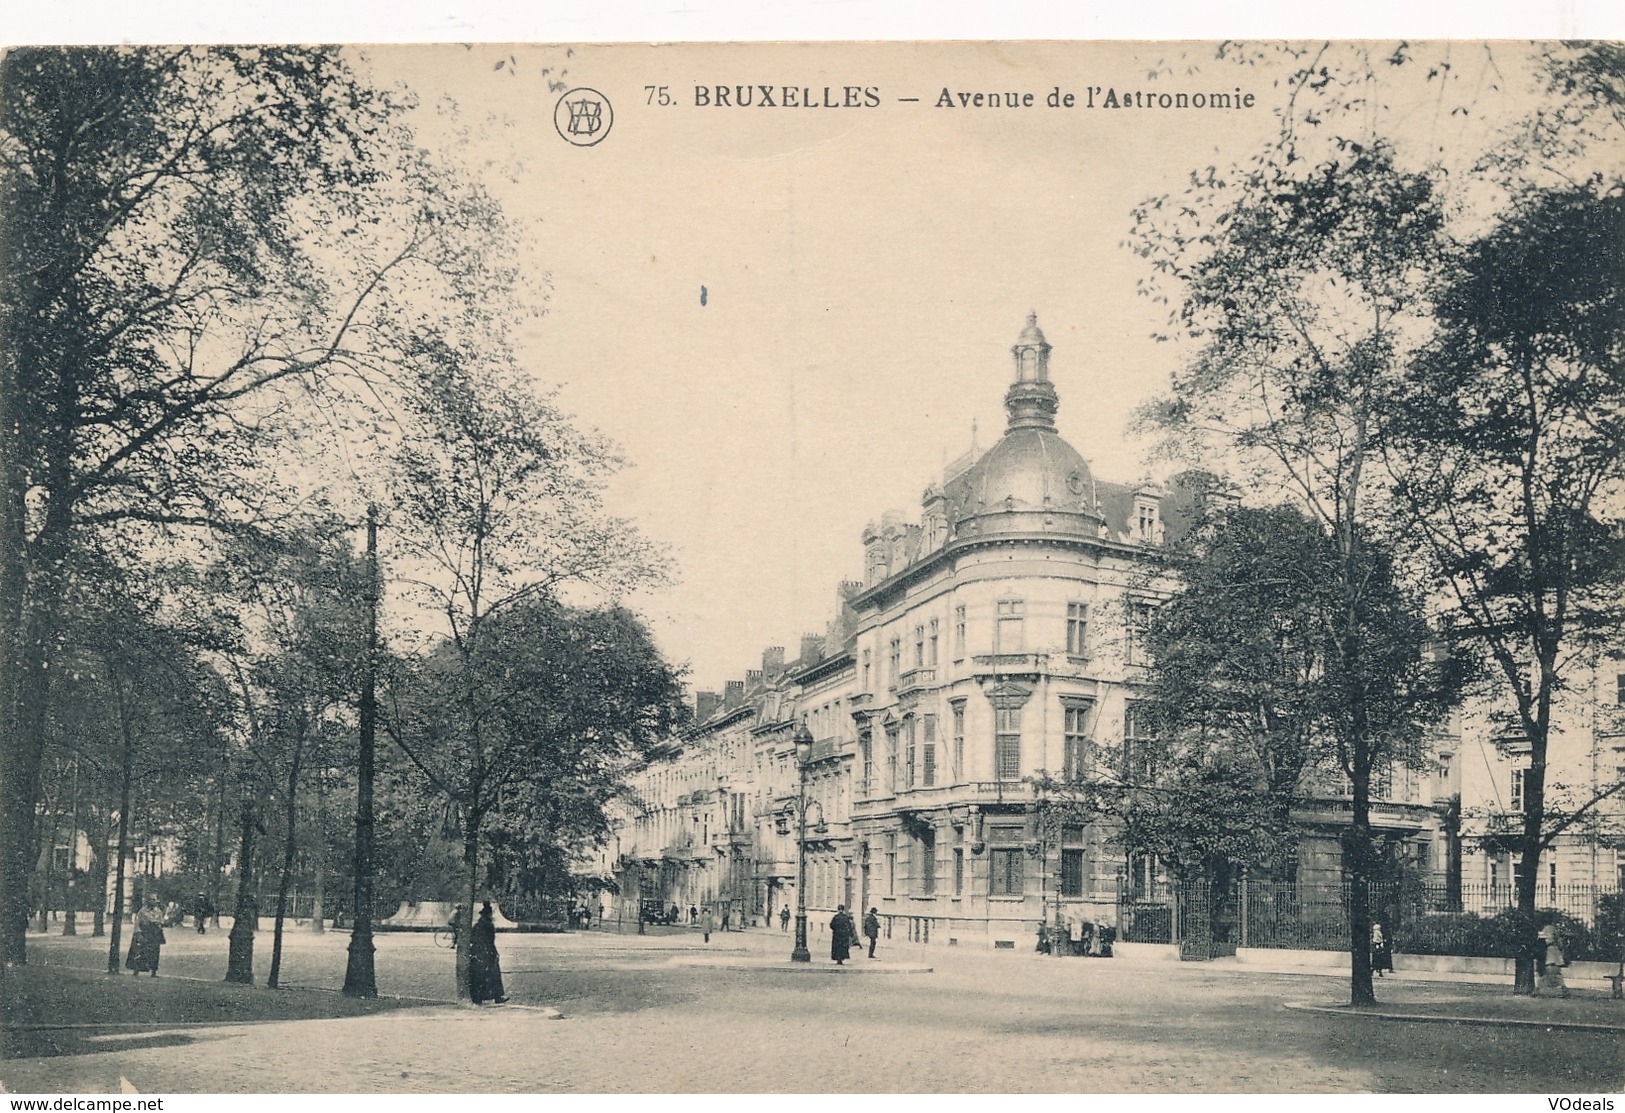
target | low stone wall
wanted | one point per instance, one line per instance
(1146, 952)
(1431, 964)
(1282, 956)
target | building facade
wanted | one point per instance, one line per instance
(996, 640)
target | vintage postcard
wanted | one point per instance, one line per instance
(813, 568)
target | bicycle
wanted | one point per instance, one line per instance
(446, 937)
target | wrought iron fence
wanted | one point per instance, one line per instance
(1418, 917)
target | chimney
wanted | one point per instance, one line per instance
(849, 589)
(705, 704)
(753, 678)
(812, 649)
(734, 694)
(773, 660)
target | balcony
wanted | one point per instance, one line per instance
(734, 836)
(992, 792)
(1009, 664)
(915, 679)
(824, 749)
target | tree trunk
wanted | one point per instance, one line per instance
(21, 753)
(98, 921)
(125, 776)
(290, 843)
(360, 973)
(465, 915)
(70, 922)
(317, 913)
(246, 913)
(1525, 873)
(219, 839)
(46, 828)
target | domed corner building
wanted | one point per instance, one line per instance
(997, 636)
(998, 639)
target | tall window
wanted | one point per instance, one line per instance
(919, 647)
(960, 625)
(866, 747)
(1139, 739)
(1619, 689)
(928, 863)
(891, 863)
(896, 652)
(1007, 743)
(931, 646)
(928, 750)
(1005, 862)
(891, 759)
(1071, 871)
(866, 654)
(959, 860)
(1075, 743)
(1136, 627)
(1077, 628)
(959, 739)
(1382, 781)
(908, 751)
(1007, 634)
(1515, 799)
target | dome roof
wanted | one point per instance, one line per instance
(1032, 334)
(1029, 469)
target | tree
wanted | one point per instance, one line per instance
(497, 507)
(303, 600)
(1301, 285)
(1509, 457)
(529, 736)
(595, 697)
(198, 244)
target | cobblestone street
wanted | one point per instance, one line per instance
(657, 1014)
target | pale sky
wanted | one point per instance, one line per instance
(866, 272)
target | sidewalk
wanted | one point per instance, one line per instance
(55, 1010)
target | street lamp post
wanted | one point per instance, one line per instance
(803, 741)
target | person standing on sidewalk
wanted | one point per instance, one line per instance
(1382, 955)
(871, 928)
(842, 934)
(707, 923)
(1551, 977)
(784, 918)
(148, 940)
(484, 965)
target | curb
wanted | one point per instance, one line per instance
(1473, 1021)
(772, 966)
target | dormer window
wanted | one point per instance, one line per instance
(1148, 528)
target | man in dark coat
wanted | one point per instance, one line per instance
(484, 967)
(842, 934)
(871, 928)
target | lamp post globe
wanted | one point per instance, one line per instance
(804, 745)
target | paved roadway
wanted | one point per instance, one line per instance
(642, 1017)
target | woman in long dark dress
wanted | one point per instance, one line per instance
(147, 942)
(484, 967)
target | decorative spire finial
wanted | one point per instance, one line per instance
(1031, 400)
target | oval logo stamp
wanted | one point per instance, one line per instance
(583, 116)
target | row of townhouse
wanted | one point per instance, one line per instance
(997, 637)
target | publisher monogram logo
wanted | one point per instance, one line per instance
(583, 116)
